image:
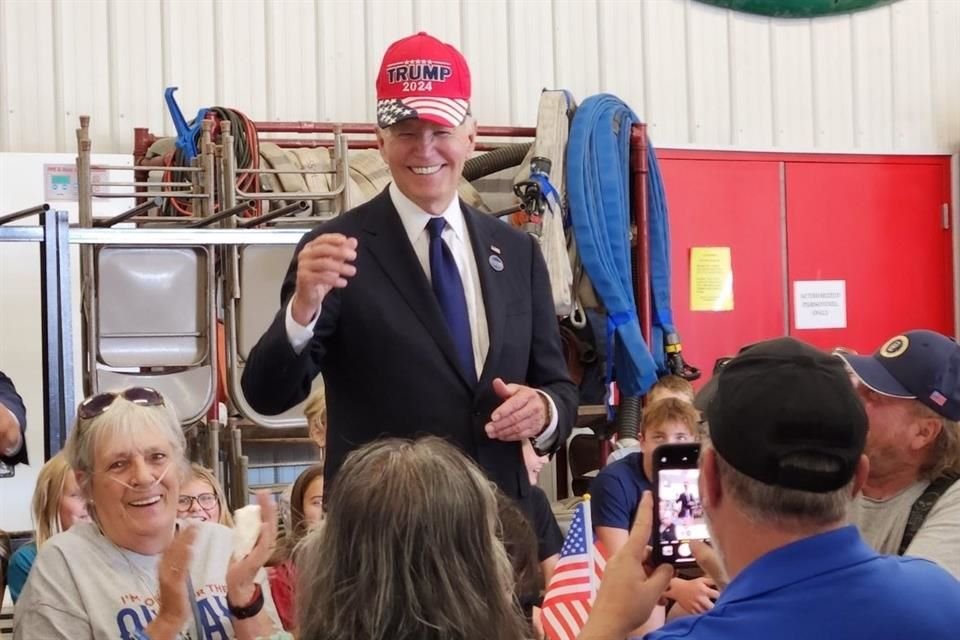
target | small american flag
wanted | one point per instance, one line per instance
(573, 586)
(938, 398)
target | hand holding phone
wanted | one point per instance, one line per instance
(678, 510)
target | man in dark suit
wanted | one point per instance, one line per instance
(686, 502)
(13, 422)
(423, 314)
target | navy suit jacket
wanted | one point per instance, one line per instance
(386, 355)
(12, 400)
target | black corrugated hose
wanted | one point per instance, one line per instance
(629, 413)
(510, 155)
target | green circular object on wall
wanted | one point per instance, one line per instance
(796, 8)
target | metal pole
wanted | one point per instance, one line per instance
(206, 163)
(146, 205)
(83, 172)
(67, 390)
(343, 171)
(56, 330)
(296, 207)
(88, 307)
(638, 164)
(23, 213)
(367, 128)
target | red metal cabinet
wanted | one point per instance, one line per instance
(873, 221)
(878, 225)
(725, 203)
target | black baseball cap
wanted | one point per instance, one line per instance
(783, 397)
(919, 365)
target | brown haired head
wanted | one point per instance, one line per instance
(295, 526)
(671, 410)
(520, 542)
(671, 386)
(298, 526)
(409, 549)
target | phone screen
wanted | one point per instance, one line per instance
(680, 518)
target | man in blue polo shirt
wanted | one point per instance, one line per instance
(786, 460)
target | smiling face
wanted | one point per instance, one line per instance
(426, 159)
(203, 503)
(135, 487)
(73, 506)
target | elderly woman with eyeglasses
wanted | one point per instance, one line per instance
(134, 573)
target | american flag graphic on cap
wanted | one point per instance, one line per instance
(390, 112)
(450, 111)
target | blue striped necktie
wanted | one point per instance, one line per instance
(448, 287)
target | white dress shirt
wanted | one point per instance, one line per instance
(455, 235)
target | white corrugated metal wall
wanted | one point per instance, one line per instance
(886, 79)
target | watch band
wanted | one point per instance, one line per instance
(249, 610)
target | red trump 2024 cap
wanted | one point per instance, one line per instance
(422, 77)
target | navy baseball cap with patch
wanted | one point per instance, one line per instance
(781, 398)
(921, 365)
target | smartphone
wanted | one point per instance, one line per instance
(678, 510)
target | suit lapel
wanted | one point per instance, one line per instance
(388, 244)
(483, 236)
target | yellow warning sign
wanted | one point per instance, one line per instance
(711, 279)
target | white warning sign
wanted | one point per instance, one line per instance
(820, 304)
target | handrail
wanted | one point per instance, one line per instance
(295, 207)
(129, 213)
(23, 213)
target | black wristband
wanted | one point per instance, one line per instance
(250, 610)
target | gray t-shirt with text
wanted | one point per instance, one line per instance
(83, 587)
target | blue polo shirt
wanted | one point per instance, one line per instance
(831, 585)
(616, 491)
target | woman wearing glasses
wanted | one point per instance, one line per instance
(131, 573)
(201, 498)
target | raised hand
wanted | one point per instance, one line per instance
(324, 263)
(172, 573)
(242, 573)
(628, 593)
